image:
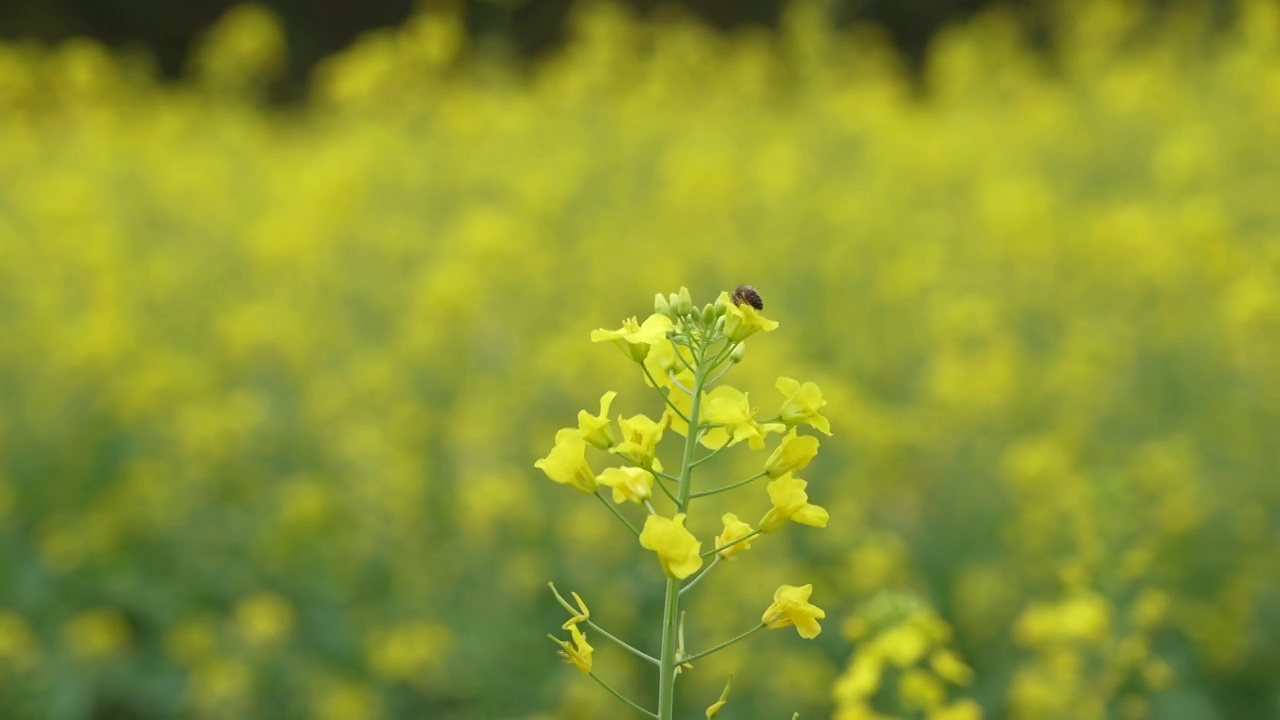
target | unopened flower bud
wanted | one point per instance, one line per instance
(661, 305)
(739, 351)
(708, 316)
(682, 304)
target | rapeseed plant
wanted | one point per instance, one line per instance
(698, 347)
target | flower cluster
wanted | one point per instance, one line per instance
(684, 353)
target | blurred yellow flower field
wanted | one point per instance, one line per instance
(273, 378)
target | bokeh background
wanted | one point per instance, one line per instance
(285, 320)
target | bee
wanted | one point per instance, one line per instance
(747, 294)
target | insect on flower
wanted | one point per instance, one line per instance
(747, 294)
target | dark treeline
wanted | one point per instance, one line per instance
(316, 28)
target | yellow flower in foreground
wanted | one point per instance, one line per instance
(577, 650)
(676, 547)
(628, 483)
(743, 321)
(567, 462)
(794, 453)
(733, 529)
(802, 404)
(730, 408)
(791, 502)
(640, 436)
(582, 614)
(791, 606)
(596, 429)
(635, 338)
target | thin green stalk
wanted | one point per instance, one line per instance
(723, 645)
(619, 515)
(616, 641)
(671, 606)
(731, 486)
(708, 456)
(619, 695)
(665, 398)
(698, 578)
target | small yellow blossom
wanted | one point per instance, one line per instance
(635, 339)
(719, 704)
(567, 462)
(640, 436)
(730, 408)
(628, 483)
(264, 620)
(743, 321)
(582, 614)
(95, 634)
(948, 666)
(733, 529)
(791, 502)
(965, 709)
(862, 679)
(577, 651)
(791, 606)
(794, 453)
(802, 404)
(903, 645)
(919, 689)
(596, 429)
(676, 547)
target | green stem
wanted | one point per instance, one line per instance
(665, 398)
(617, 641)
(698, 578)
(619, 515)
(708, 456)
(723, 645)
(671, 605)
(721, 356)
(731, 486)
(619, 695)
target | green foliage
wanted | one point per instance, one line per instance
(272, 383)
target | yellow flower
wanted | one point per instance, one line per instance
(628, 483)
(950, 667)
(640, 437)
(791, 502)
(567, 462)
(582, 614)
(676, 547)
(634, 338)
(730, 408)
(733, 529)
(577, 650)
(596, 429)
(791, 606)
(715, 708)
(965, 709)
(920, 690)
(861, 680)
(802, 404)
(743, 321)
(794, 453)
